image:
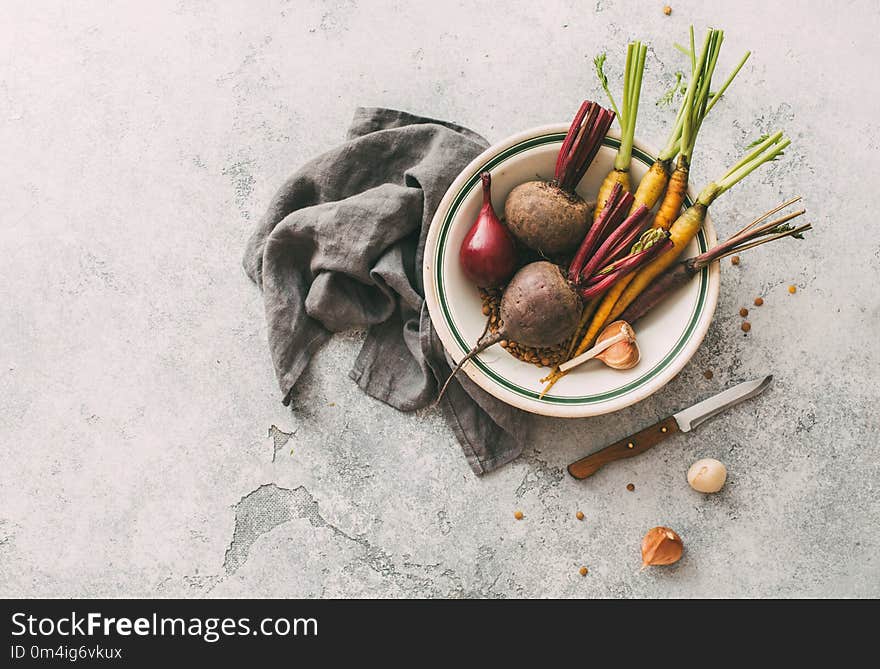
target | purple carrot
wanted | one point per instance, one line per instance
(680, 273)
(618, 203)
(653, 243)
(661, 287)
(617, 243)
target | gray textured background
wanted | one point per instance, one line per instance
(140, 145)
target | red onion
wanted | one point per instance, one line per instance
(488, 252)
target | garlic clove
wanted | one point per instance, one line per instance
(624, 354)
(707, 475)
(661, 546)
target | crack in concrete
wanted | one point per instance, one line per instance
(261, 511)
(279, 439)
(7, 536)
(539, 475)
(270, 506)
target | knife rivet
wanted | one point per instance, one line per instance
(630, 445)
(663, 429)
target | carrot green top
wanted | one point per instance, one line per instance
(632, 88)
(698, 98)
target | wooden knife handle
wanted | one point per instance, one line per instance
(625, 448)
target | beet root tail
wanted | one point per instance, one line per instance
(482, 345)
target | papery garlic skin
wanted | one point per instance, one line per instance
(661, 546)
(707, 475)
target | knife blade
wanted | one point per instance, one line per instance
(683, 421)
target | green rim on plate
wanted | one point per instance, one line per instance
(497, 378)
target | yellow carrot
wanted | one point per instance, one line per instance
(626, 116)
(694, 108)
(652, 185)
(670, 207)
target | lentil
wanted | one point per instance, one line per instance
(734, 260)
(746, 326)
(630, 486)
(743, 312)
(518, 515)
(759, 301)
(579, 515)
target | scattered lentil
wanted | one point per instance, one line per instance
(667, 10)
(630, 486)
(518, 515)
(734, 260)
(792, 289)
(759, 301)
(708, 374)
(579, 515)
(743, 312)
(746, 326)
(584, 571)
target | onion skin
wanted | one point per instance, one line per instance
(488, 251)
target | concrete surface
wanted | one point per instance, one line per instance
(138, 453)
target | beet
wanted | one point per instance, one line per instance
(539, 308)
(546, 218)
(550, 217)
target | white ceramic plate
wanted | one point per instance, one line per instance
(668, 336)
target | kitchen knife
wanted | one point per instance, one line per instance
(684, 421)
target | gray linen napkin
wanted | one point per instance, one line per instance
(341, 246)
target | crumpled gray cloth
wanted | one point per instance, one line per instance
(341, 247)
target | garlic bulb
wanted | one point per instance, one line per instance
(707, 475)
(624, 354)
(616, 346)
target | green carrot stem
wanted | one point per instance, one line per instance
(728, 182)
(699, 98)
(632, 86)
(674, 142)
(693, 51)
(599, 63)
(704, 89)
(728, 81)
(760, 148)
(766, 151)
(688, 136)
